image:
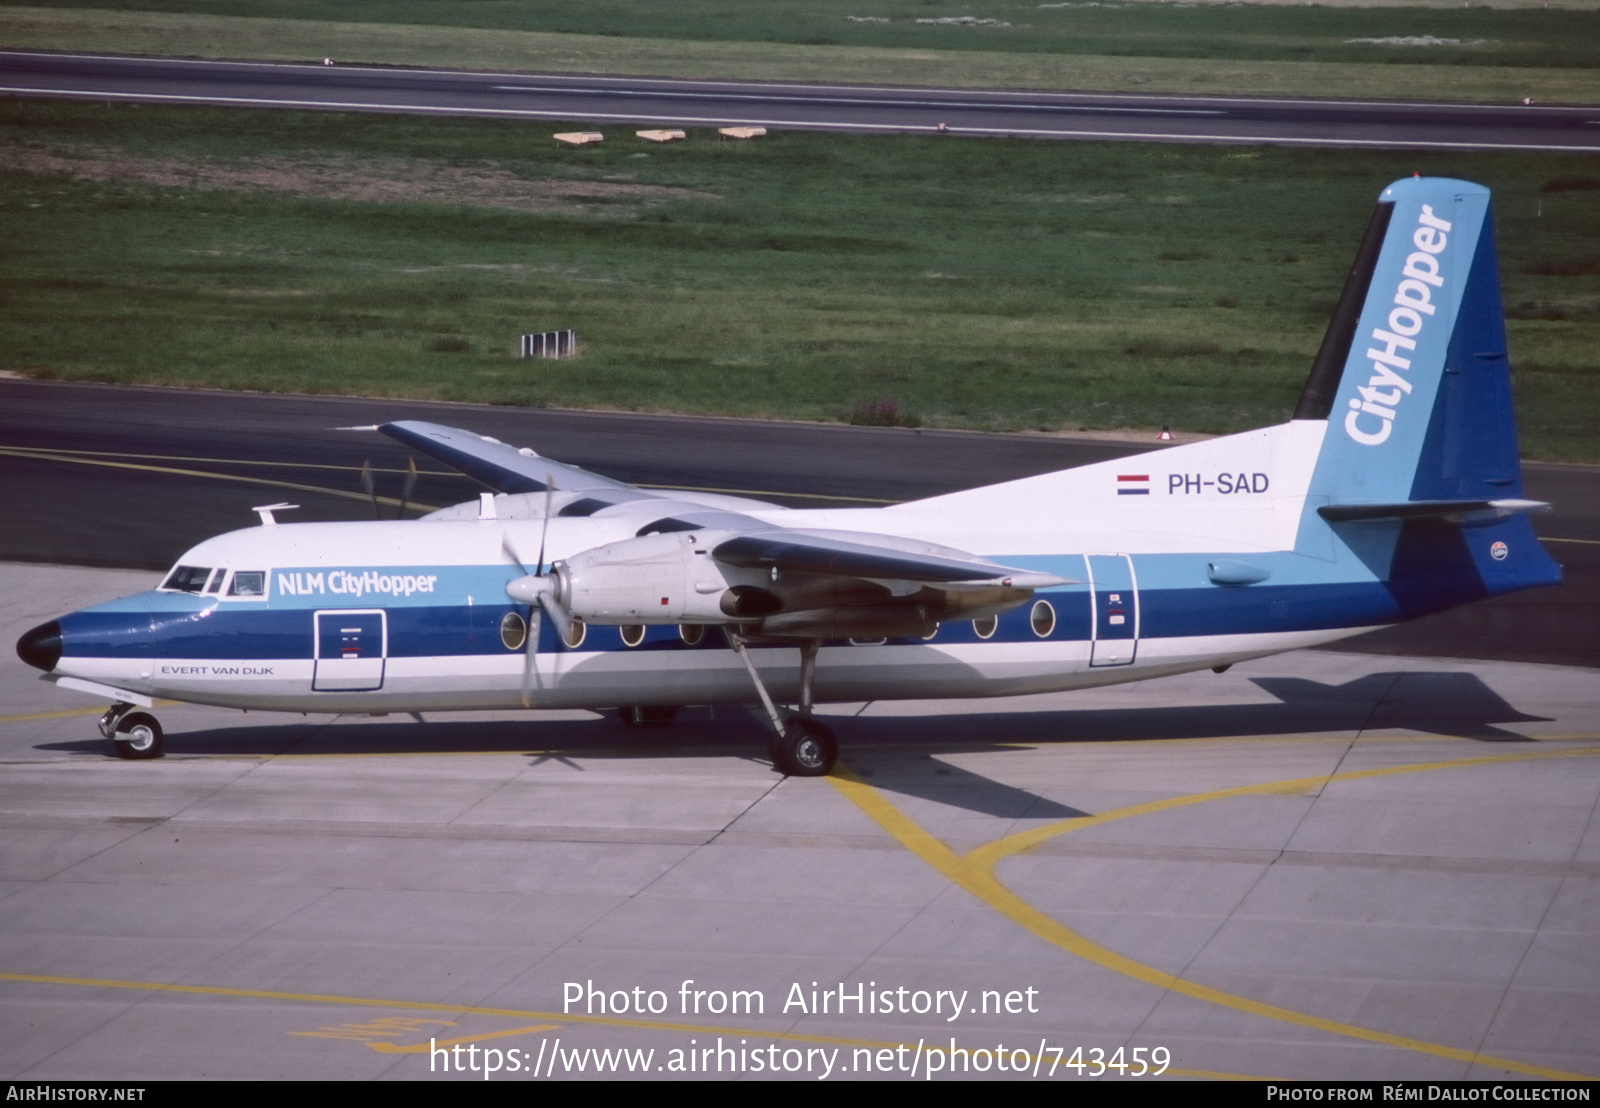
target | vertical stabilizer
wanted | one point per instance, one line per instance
(1431, 310)
(1418, 476)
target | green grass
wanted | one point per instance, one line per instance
(972, 283)
(1282, 51)
(1523, 37)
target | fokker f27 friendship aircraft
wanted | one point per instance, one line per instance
(1394, 491)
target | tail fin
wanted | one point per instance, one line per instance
(1414, 382)
(1415, 386)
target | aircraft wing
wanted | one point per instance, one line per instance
(490, 461)
(755, 544)
(852, 554)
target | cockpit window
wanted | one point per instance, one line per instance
(248, 582)
(187, 579)
(216, 580)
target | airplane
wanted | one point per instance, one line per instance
(1394, 491)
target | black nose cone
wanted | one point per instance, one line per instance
(41, 647)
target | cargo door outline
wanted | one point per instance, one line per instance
(1113, 609)
(349, 650)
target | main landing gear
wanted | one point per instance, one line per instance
(136, 735)
(800, 747)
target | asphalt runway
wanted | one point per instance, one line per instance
(656, 102)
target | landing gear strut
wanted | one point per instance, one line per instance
(800, 747)
(136, 735)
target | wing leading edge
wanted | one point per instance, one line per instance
(501, 467)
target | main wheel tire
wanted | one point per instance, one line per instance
(805, 749)
(138, 736)
(648, 715)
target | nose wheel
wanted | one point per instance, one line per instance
(136, 735)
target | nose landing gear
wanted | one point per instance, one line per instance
(136, 735)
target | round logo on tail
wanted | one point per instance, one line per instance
(1498, 552)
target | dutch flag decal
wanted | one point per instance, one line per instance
(1133, 484)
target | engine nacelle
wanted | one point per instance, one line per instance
(670, 578)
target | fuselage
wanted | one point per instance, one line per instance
(414, 615)
(333, 629)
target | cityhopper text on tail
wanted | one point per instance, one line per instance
(1394, 491)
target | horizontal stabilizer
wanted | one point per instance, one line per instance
(1455, 510)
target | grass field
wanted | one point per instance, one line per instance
(1529, 36)
(1469, 53)
(961, 283)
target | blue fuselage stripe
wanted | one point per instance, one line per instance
(445, 630)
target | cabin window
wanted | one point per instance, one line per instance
(187, 579)
(691, 633)
(985, 628)
(248, 582)
(1043, 618)
(513, 631)
(632, 634)
(574, 637)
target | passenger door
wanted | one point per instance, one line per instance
(350, 650)
(1115, 597)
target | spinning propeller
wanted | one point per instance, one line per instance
(370, 486)
(538, 591)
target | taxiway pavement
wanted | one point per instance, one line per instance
(1322, 865)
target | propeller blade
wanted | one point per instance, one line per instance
(558, 615)
(544, 533)
(530, 650)
(511, 552)
(410, 487)
(371, 486)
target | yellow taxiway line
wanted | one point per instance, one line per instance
(974, 872)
